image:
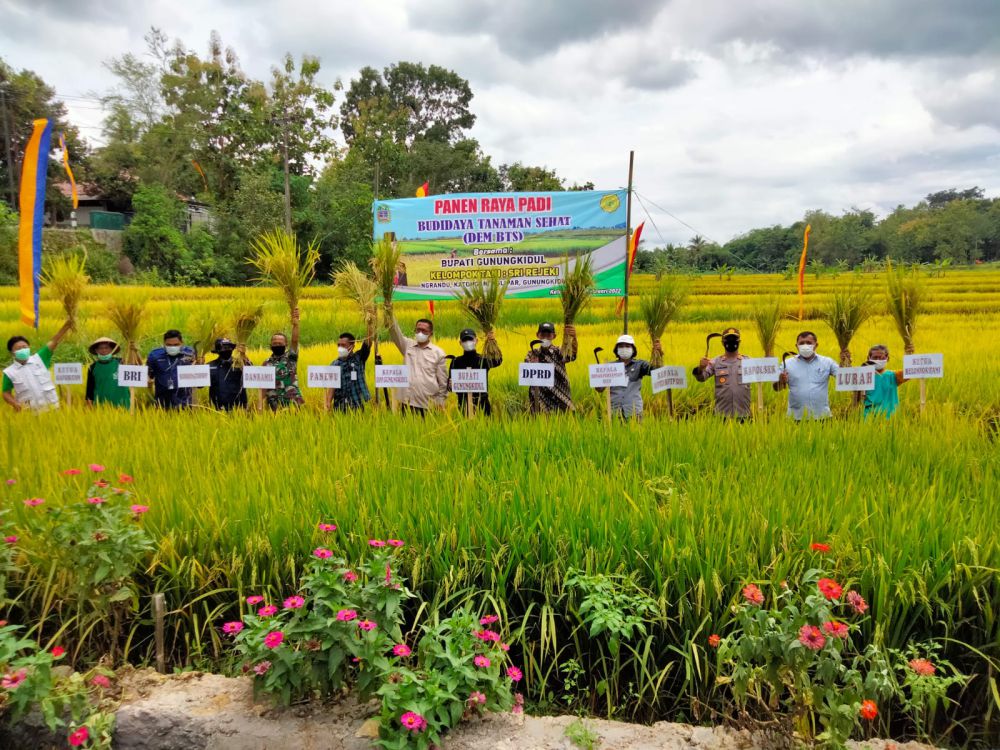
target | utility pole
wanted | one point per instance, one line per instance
(628, 236)
(8, 151)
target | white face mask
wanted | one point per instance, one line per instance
(880, 363)
(624, 352)
(173, 351)
(806, 350)
(422, 338)
(342, 352)
(469, 346)
(546, 343)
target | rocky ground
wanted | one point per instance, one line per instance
(196, 711)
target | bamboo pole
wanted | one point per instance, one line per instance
(159, 607)
(628, 236)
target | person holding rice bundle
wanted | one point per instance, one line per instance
(626, 401)
(470, 359)
(27, 381)
(807, 378)
(732, 395)
(225, 390)
(883, 400)
(102, 375)
(541, 399)
(353, 392)
(285, 361)
(163, 363)
(428, 367)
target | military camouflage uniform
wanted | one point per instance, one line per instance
(286, 381)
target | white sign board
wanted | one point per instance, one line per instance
(856, 379)
(323, 376)
(392, 376)
(258, 377)
(68, 373)
(193, 376)
(919, 366)
(468, 381)
(536, 373)
(760, 369)
(611, 375)
(669, 377)
(133, 376)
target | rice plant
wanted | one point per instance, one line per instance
(660, 307)
(246, 317)
(481, 303)
(849, 308)
(766, 318)
(278, 258)
(352, 284)
(905, 301)
(385, 263)
(202, 332)
(65, 275)
(128, 319)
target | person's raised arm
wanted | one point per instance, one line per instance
(704, 370)
(396, 333)
(295, 330)
(899, 377)
(60, 335)
(364, 351)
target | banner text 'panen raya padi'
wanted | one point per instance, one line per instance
(454, 241)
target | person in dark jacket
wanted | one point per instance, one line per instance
(163, 363)
(470, 359)
(353, 392)
(102, 375)
(225, 390)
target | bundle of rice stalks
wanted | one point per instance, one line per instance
(482, 305)
(660, 308)
(203, 332)
(278, 258)
(245, 320)
(127, 318)
(904, 295)
(767, 319)
(577, 288)
(847, 311)
(384, 262)
(66, 277)
(352, 284)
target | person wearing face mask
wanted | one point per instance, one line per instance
(732, 395)
(163, 363)
(807, 378)
(626, 401)
(428, 367)
(102, 375)
(225, 389)
(470, 359)
(883, 400)
(542, 400)
(27, 382)
(353, 392)
(285, 361)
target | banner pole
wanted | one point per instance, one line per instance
(628, 235)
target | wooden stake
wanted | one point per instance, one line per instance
(923, 395)
(670, 403)
(607, 402)
(760, 398)
(159, 612)
(468, 405)
(628, 237)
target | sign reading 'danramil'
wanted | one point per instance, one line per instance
(323, 376)
(760, 369)
(536, 373)
(68, 373)
(133, 376)
(920, 366)
(665, 378)
(856, 378)
(193, 376)
(468, 381)
(392, 376)
(610, 375)
(258, 377)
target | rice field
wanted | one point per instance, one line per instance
(495, 512)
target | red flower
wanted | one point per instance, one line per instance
(124, 478)
(830, 588)
(811, 637)
(99, 680)
(57, 651)
(72, 472)
(868, 710)
(857, 602)
(714, 640)
(922, 667)
(102, 484)
(819, 547)
(835, 629)
(753, 595)
(79, 737)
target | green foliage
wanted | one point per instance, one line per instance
(582, 736)
(848, 310)
(660, 307)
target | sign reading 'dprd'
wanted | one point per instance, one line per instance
(665, 378)
(392, 376)
(193, 376)
(611, 375)
(323, 376)
(760, 369)
(133, 376)
(919, 366)
(856, 379)
(468, 381)
(536, 373)
(68, 373)
(258, 377)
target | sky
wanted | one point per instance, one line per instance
(741, 113)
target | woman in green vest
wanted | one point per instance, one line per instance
(102, 375)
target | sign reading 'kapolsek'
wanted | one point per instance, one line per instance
(919, 366)
(392, 376)
(258, 377)
(665, 378)
(536, 373)
(68, 373)
(468, 381)
(856, 379)
(760, 369)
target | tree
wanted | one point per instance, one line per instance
(517, 177)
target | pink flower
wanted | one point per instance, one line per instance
(388, 575)
(835, 629)
(811, 637)
(125, 479)
(857, 602)
(413, 721)
(322, 553)
(327, 527)
(367, 625)
(376, 543)
(99, 680)
(58, 652)
(489, 620)
(261, 668)
(95, 500)
(79, 737)
(294, 602)
(96, 468)
(72, 472)
(11, 482)
(254, 600)
(346, 615)
(505, 647)
(476, 698)
(12, 680)
(274, 639)
(350, 576)
(267, 611)
(401, 649)
(102, 484)
(232, 628)
(514, 673)
(139, 509)
(34, 502)
(396, 543)
(518, 704)
(922, 667)
(753, 595)
(481, 661)
(10, 539)
(487, 636)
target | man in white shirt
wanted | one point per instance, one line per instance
(807, 378)
(428, 367)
